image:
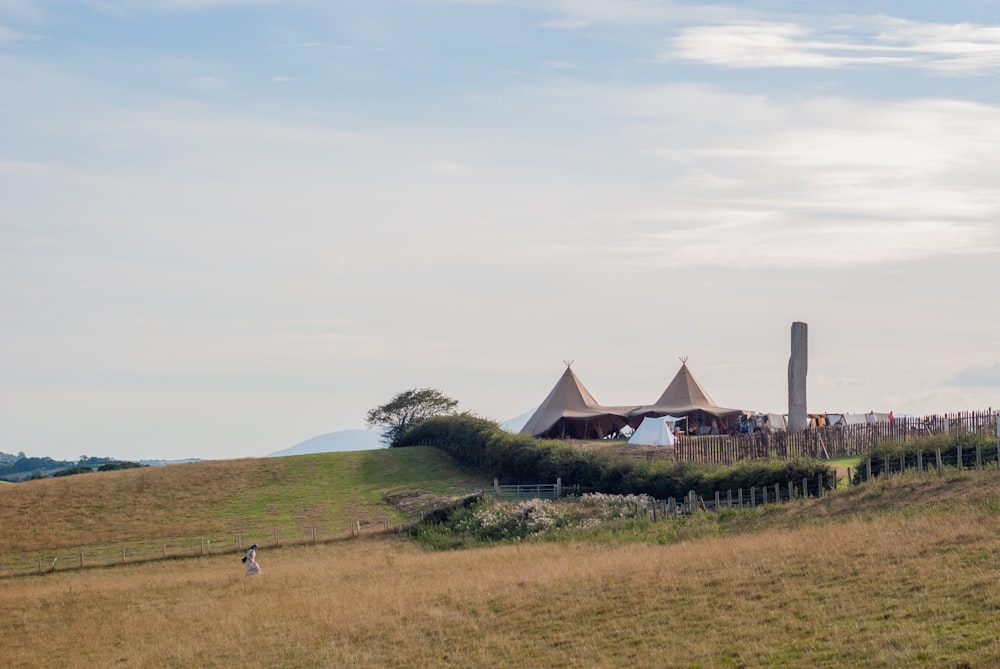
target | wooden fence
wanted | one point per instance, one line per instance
(829, 441)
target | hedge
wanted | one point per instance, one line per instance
(521, 459)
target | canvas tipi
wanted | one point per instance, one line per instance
(571, 412)
(685, 397)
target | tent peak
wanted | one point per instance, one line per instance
(683, 359)
(568, 363)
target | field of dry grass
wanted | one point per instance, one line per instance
(896, 573)
(890, 592)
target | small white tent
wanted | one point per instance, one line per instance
(655, 431)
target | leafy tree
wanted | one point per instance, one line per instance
(407, 408)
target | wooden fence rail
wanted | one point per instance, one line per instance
(829, 441)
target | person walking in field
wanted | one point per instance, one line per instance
(250, 559)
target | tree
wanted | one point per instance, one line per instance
(407, 408)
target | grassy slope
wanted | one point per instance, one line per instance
(325, 491)
(896, 573)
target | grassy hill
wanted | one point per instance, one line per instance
(898, 572)
(324, 492)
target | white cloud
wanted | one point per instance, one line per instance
(206, 83)
(976, 376)
(945, 48)
(824, 182)
(565, 24)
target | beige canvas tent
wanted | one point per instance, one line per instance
(571, 412)
(685, 397)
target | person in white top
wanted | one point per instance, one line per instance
(250, 559)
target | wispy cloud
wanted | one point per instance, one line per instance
(945, 48)
(985, 375)
(826, 182)
(565, 24)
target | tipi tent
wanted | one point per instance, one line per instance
(685, 397)
(653, 431)
(571, 412)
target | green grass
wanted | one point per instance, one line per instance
(227, 501)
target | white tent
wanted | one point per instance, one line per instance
(655, 431)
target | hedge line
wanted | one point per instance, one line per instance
(516, 458)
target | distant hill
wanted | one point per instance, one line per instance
(366, 440)
(515, 424)
(343, 440)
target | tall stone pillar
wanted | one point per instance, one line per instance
(798, 365)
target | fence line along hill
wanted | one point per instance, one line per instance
(323, 492)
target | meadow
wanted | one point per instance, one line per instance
(897, 572)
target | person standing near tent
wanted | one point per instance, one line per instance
(250, 560)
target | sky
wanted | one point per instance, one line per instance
(228, 226)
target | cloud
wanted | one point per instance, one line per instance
(565, 24)
(984, 375)
(206, 83)
(944, 48)
(10, 37)
(824, 182)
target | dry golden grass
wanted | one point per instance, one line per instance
(893, 591)
(896, 573)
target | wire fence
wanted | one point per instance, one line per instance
(127, 552)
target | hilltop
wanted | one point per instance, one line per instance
(325, 491)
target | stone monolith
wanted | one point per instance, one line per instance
(798, 366)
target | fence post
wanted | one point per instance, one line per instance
(559, 488)
(81, 559)
(819, 490)
(979, 456)
(961, 464)
(805, 487)
(496, 490)
(718, 502)
(753, 498)
(937, 453)
(729, 498)
(202, 548)
(920, 462)
(123, 555)
(902, 463)
(868, 464)
(739, 494)
(777, 492)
